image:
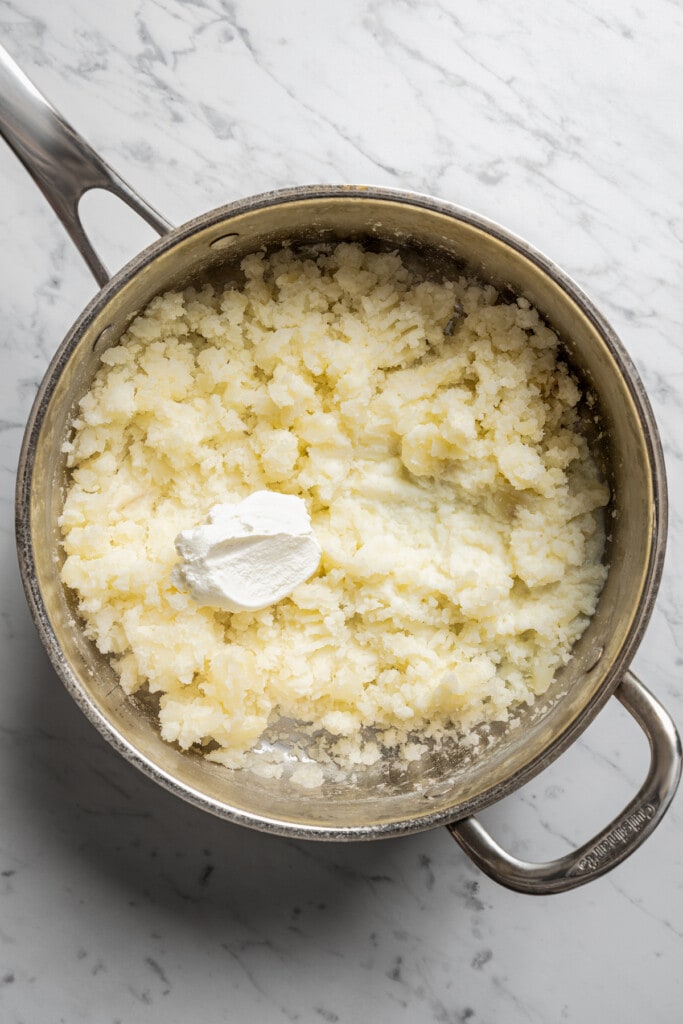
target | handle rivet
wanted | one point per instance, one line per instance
(225, 241)
(103, 338)
(594, 657)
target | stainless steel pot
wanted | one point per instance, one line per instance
(382, 802)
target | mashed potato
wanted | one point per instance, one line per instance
(433, 433)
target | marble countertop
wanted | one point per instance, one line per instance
(120, 903)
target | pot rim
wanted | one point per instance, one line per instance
(642, 613)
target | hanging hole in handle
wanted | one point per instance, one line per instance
(116, 230)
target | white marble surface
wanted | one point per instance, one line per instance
(120, 903)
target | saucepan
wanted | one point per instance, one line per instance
(381, 801)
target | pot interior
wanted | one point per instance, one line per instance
(381, 799)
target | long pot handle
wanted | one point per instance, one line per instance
(61, 163)
(619, 839)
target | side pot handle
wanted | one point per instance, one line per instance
(61, 163)
(619, 839)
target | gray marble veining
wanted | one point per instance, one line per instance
(562, 121)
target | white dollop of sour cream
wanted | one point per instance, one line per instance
(250, 555)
